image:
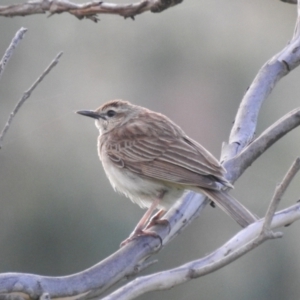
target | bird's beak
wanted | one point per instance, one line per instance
(91, 114)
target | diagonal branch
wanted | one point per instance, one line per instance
(243, 242)
(279, 191)
(278, 66)
(26, 95)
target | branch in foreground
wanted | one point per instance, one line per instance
(26, 95)
(10, 50)
(115, 267)
(88, 10)
(35, 285)
(246, 240)
(112, 269)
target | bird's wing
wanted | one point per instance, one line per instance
(173, 159)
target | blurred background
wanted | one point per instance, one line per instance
(194, 62)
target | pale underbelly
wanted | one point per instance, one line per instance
(141, 190)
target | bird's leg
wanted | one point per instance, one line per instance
(138, 230)
(156, 219)
(143, 221)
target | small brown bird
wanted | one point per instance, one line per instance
(150, 160)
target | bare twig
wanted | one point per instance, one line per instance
(279, 191)
(26, 95)
(88, 10)
(10, 50)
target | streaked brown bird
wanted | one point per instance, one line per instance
(150, 160)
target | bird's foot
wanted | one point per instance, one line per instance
(154, 221)
(137, 233)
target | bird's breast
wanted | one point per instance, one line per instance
(140, 190)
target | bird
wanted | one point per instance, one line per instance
(150, 159)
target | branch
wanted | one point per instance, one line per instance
(243, 131)
(10, 50)
(26, 95)
(243, 242)
(278, 66)
(106, 273)
(88, 10)
(279, 191)
(123, 263)
(248, 155)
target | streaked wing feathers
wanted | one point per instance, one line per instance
(178, 160)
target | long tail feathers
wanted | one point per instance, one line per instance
(231, 206)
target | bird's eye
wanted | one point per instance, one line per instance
(111, 113)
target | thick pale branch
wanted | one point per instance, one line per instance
(26, 95)
(88, 10)
(178, 217)
(116, 267)
(101, 276)
(243, 242)
(278, 66)
(241, 135)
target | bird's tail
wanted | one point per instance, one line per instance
(231, 206)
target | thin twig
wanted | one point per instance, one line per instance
(26, 95)
(10, 50)
(279, 191)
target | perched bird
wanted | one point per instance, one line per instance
(150, 160)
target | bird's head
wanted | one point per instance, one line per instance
(111, 114)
